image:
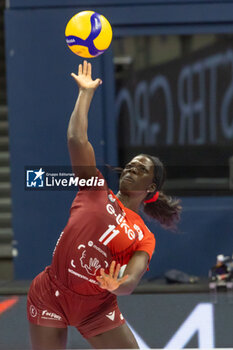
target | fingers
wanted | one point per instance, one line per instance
(83, 77)
(112, 268)
(73, 76)
(100, 279)
(117, 271)
(89, 69)
(85, 67)
(103, 274)
(102, 283)
(80, 69)
(110, 281)
(98, 82)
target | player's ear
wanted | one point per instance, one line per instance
(151, 188)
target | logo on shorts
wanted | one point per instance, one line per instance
(111, 315)
(33, 311)
(50, 315)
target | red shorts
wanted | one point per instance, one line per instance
(51, 304)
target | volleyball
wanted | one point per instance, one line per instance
(88, 34)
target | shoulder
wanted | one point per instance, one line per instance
(145, 236)
(141, 227)
(95, 187)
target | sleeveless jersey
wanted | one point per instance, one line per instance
(100, 229)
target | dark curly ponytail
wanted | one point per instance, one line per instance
(166, 210)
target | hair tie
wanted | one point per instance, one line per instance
(153, 199)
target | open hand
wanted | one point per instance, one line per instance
(111, 281)
(84, 79)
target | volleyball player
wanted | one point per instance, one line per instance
(105, 248)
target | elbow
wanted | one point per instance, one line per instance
(123, 290)
(76, 139)
(121, 293)
(130, 292)
(131, 289)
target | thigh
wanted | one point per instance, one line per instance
(117, 338)
(43, 306)
(47, 338)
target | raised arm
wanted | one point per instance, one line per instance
(82, 154)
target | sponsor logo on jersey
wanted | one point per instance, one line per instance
(88, 261)
(82, 276)
(72, 263)
(110, 209)
(111, 198)
(81, 246)
(111, 315)
(92, 245)
(139, 231)
(100, 250)
(50, 315)
(111, 233)
(91, 265)
(33, 311)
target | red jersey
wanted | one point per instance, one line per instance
(100, 229)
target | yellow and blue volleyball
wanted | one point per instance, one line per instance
(88, 34)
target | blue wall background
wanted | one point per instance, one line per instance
(205, 230)
(41, 96)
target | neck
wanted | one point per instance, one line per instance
(130, 202)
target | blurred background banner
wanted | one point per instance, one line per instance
(172, 63)
(180, 106)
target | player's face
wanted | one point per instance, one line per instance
(137, 175)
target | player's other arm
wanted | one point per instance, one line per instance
(134, 271)
(81, 152)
